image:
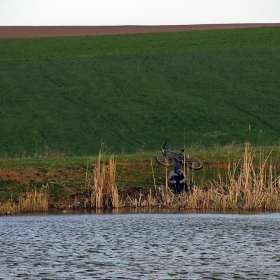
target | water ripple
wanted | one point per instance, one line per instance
(140, 246)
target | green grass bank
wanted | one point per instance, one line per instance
(66, 176)
(64, 96)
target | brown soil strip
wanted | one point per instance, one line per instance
(56, 31)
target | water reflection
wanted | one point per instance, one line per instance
(144, 210)
(140, 246)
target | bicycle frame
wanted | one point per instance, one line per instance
(177, 156)
(167, 158)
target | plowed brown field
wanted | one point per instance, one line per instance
(55, 31)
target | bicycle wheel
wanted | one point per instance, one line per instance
(165, 159)
(193, 162)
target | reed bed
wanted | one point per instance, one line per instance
(251, 184)
(101, 184)
(247, 186)
(32, 201)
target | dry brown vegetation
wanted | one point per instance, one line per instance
(101, 185)
(247, 187)
(32, 201)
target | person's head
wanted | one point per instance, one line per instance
(177, 168)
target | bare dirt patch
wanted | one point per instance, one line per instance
(56, 31)
(25, 175)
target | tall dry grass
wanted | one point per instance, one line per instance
(248, 186)
(101, 184)
(32, 201)
(251, 184)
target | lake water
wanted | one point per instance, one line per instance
(140, 246)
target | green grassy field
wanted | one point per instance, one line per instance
(66, 95)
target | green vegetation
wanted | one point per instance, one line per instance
(63, 96)
(67, 175)
(114, 45)
(233, 178)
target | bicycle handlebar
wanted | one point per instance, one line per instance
(179, 149)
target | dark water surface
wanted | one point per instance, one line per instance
(140, 246)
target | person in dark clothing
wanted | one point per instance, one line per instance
(177, 179)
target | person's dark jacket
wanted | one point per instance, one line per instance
(173, 176)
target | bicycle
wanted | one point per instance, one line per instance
(168, 157)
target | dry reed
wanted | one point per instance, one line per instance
(102, 187)
(247, 186)
(32, 201)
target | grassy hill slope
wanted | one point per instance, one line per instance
(66, 95)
